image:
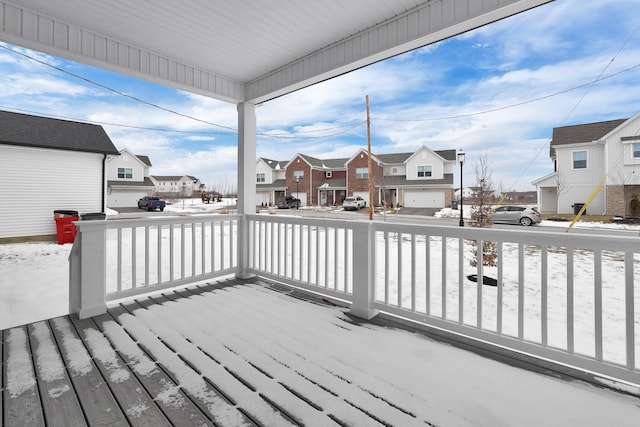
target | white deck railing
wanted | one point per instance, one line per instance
(123, 258)
(566, 297)
(569, 298)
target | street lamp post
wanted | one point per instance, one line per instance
(297, 193)
(461, 161)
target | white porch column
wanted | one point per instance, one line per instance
(246, 181)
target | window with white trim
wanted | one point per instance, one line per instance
(260, 177)
(579, 159)
(328, 174)
(636, 150)
(125, 173)
(362, 173)
(298, 175)
(424, 171)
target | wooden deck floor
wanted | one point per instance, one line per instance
(236, 353)
(105, 371)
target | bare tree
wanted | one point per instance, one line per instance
(480, 211)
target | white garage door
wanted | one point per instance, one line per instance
(262, 198)
(424, 199)
(363, 194)
(302, 196)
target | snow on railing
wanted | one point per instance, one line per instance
(120, 258)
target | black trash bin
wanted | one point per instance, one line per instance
(454, 205)
(94, 216)
(577, 207)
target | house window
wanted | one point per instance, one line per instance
(298, 175)
(328, 174)
(362, 173)
(580, 159)
(126, 173)
(260, 177)
(424, 171)
(394, 171)
(636, 151)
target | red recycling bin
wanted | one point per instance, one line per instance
(65, 229)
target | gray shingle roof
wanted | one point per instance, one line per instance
(42, 132)
(583, 133)
(278, 184)
(145, 160)
(275, 164)
(402, 181)
(146, 183)
(173, 177)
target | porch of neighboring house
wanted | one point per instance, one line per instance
(235, 352)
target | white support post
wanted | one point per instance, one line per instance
(363, 249)
(87, 269)
(246, 182)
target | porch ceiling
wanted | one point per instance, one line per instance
(239, 51)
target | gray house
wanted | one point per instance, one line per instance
(46, 165)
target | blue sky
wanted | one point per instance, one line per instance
(497, 91)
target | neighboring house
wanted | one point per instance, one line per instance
(582, 155)
(270, 181)
(128, 179)
(423, 178)
(45, 165)
(179, 186)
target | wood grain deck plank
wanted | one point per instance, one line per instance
(59, 400)
(97, 401)
(21, 399)
(167, 395)
(138, 406)
(205, 390)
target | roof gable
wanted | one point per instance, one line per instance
(441, 153)
(43, 132)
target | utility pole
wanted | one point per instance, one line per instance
(369, 164)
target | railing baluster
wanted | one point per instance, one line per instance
(222, 257)
(520, 291)
(413, 272)
(134, 266)
(119, 258)
(480, 284)
(203, 254)
(159, 266)
(386, 267)
(183, 257)
(444, 277)
(544, 294)
(460, 281)
(629, 310)
(309, 257)
(326, 256)
(597, 283)
(171, 261)
(146, 255)
(317, 258)
(335, 258)
(427, 272)
(570, 300)
(193, 249)
(399, 272)
(499, 307)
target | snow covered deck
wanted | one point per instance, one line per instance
(252, 352)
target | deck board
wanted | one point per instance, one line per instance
(126, 388)
(21, 398)
(98, 403)
(59, 400)
(166, 394)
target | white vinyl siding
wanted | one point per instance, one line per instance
(35, 182)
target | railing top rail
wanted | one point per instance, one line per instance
(575, 238)
(155, 221)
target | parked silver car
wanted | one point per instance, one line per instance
(522, 215)
(354, 203)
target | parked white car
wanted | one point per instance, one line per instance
(353, 203)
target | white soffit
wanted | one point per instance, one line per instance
(241, 50)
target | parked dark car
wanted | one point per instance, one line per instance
(151, 203)
(288, 202)
(522, 215)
